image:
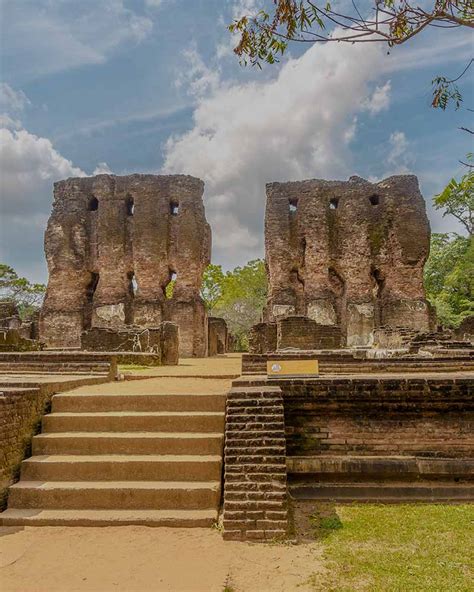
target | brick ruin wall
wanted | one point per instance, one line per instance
(255, 498)
(218, 336)
(372, 428)
(20, 415)
(348, 254)
(162, 341)
(113, 244)
(431, 417)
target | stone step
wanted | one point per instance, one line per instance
(109, 495)
(94, 403)
(423, 491)
(128, 421)
(350, 468)
(117, 467)
(170, 518)
(92, 443)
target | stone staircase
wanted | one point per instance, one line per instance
(101, 460)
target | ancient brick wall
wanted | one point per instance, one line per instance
(304, 333)
(263, 338)
(161, 340)
(113, 244)
(375, 417)
(20, 414)
(348, 254)
(255, 499)
(217, 336)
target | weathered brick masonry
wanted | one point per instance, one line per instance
(20, 414)
(255, 465)
(367, 425)
(432, 417)
(21, 410)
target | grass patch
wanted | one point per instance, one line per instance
(133, 367)
(398, 548)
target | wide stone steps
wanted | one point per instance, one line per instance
(128, 443)
(109, 495)
(170, 518)
(123, 459)
(132, 421)
(121, 467)
(96, 403)
(394, 492)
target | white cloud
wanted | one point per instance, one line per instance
(196, 76)
(47, 36)
(9, 122)
(29, 166)
(102, 169)
(12, 100)
(380, 99)
(399, 156)
(295, 126)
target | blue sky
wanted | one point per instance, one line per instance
(152, 86)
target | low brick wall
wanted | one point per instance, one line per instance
(304, 333)
(255, 497)
(430, 417)
(352, 362)
(21, 410)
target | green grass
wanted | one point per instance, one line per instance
(133, 367)
(399, 548)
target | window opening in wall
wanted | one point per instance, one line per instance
(374, 200)
(92, 287)
(130, 206)
(169, 288)
(333, 203)
(132, 284)
(93, 204)
(293, 205)
(379, 282)
(174, 208)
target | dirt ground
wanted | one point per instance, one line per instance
(142, 559)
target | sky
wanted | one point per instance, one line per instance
(153, 86)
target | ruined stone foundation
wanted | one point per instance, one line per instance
(126, 251)
(348, 254)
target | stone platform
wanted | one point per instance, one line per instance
(367, 438)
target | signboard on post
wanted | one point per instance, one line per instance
(292, 368)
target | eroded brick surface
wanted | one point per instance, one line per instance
(349, 254)
(255, 498)
(113, 244)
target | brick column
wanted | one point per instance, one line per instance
(255, 496)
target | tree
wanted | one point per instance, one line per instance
(238, 296)
(212, 285)
(457, 200)
(264, 37)
(449, 277)
(26, 295)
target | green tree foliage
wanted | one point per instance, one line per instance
(264, 36)
(27, 296)
(238, 296)
(457, 199)
(212, 283)
(449, 277)
(449, 271)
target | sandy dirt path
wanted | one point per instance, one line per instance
(141, 559)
